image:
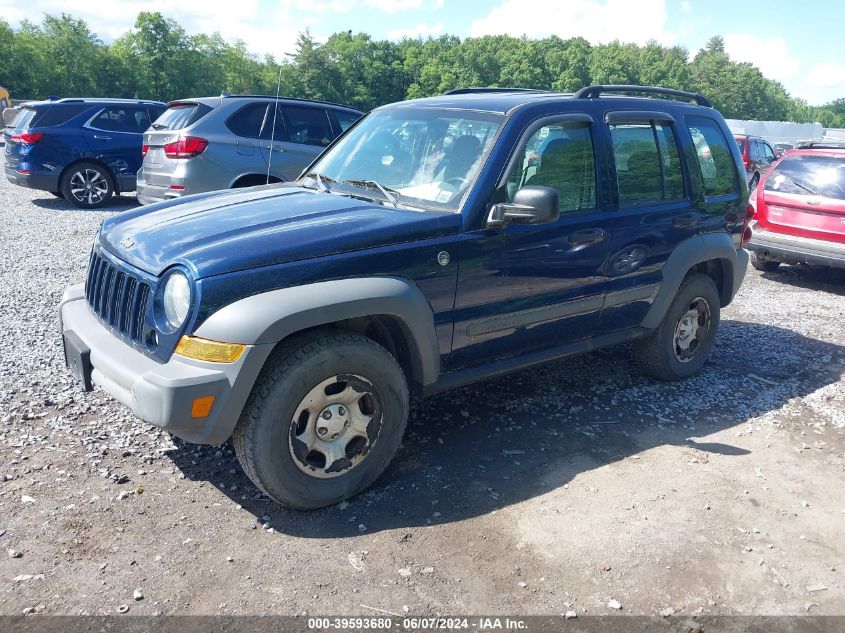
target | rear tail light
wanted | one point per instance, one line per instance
(144, 149)
(746, 230)
(186, 147)
(27, 138)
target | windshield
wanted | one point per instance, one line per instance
(809, 175)
(421, 157)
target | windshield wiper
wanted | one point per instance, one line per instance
(389, 194)
(804, 187)
(321, 181)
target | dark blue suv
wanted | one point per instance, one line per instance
(430, 246)
(83, 150)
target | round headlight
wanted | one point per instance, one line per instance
(177, 299)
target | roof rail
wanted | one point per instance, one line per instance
(591, 92)
(226, 95)
(820, 145)
(466, 91)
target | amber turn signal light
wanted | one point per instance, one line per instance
(212, 351)
(201, 407)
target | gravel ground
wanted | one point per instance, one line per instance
(579, 486)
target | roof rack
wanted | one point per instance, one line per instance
(592, 92)
(820, 145)
(226, 95)
(467, 91)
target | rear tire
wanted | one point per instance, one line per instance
(682, 343)
(765, 265)
(325, 418)
(87, 185)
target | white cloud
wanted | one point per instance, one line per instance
(769, 54)
(686, 7)
(827, 75)
(598, 21)
(345, 6)
(421, 29)
(266, 31)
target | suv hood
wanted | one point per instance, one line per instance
(219, 233)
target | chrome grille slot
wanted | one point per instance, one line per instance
(118, 297)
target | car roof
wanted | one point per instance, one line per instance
(824, 150)
(504, 101)
(216, 101)
(92, 100)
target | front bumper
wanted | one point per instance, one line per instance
(163, 394)
(791, 248)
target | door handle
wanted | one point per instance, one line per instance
(102, 138)
(686, 221)
(275, 148)
(586, 236)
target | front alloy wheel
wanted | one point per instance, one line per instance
(335, 426)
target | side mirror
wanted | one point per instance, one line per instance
(531, 205)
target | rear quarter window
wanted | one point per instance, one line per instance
(715, 161)
(57, 115)
(809, 175)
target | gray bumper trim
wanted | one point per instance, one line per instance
(162, 394)
(796, 248)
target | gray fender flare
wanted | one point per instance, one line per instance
(692, 251)
(269, 317)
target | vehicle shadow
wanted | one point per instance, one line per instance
(490, 445)
(117, 203)
(813, 278)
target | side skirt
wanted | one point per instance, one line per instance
(462, 377)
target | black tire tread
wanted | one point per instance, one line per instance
(648, 352)
(766, 266)
(284, 359)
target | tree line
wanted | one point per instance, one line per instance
(158, 59)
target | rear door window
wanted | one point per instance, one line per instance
(809, 175)
(125, 119)
(717, 166)
(344, 119)
(648, 164)
(250, 120)
(309, 126)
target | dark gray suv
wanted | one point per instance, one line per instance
(213, 143)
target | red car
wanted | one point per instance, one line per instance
(757, 157)
(800, 209)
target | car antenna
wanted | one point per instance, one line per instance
(273, 131)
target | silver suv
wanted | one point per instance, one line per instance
(213, 143)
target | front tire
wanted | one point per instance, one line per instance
(682, 343)
(87, 185)
(325, 418)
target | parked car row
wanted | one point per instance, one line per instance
(86, 150)
(800, 209)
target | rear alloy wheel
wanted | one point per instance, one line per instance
(87, 185)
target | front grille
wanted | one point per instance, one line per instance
(117, 297)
